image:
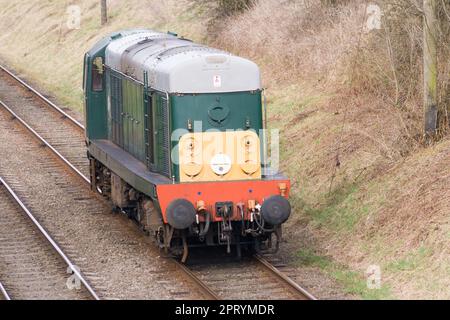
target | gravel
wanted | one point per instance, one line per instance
(31, 268)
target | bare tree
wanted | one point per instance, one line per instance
(430, 66)
(104, 11)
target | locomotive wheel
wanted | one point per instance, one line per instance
(257, 246)
(115, 210)
(160, 237)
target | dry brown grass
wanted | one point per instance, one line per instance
(292, 40)
(325, 46)
(391, 66)
(337, 90)
(407, 233)
(324, 51)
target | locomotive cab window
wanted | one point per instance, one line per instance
(97, 74)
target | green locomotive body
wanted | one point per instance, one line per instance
(174, 138)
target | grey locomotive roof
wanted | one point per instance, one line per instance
(180, 66)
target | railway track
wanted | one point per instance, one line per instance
(45, 100)
(291, 285)
(35, 266)
(55, 126)
(252, 278)
(5, 294)
(66, 142)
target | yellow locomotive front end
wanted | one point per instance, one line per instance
(220, 156)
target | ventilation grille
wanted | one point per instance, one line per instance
(165, 157)
(116, 110)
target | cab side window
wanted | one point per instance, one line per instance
(97, 74)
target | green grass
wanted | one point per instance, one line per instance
(411, 262)
(354, 283)
(342, 208)
(339, 210)
(307, 257)
(289, 101)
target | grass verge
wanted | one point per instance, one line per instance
(354, 283)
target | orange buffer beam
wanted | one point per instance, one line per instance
(209, 193)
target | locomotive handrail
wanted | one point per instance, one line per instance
(124, 75)
(265, 150)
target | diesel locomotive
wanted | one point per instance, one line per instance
(175, 138)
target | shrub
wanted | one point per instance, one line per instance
(230, 7)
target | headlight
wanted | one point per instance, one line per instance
(221, 164)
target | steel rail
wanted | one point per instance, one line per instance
(4, 292)
(42, 98)
(284, 278)
(200, 283)
(45, 143)
(49, 239)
